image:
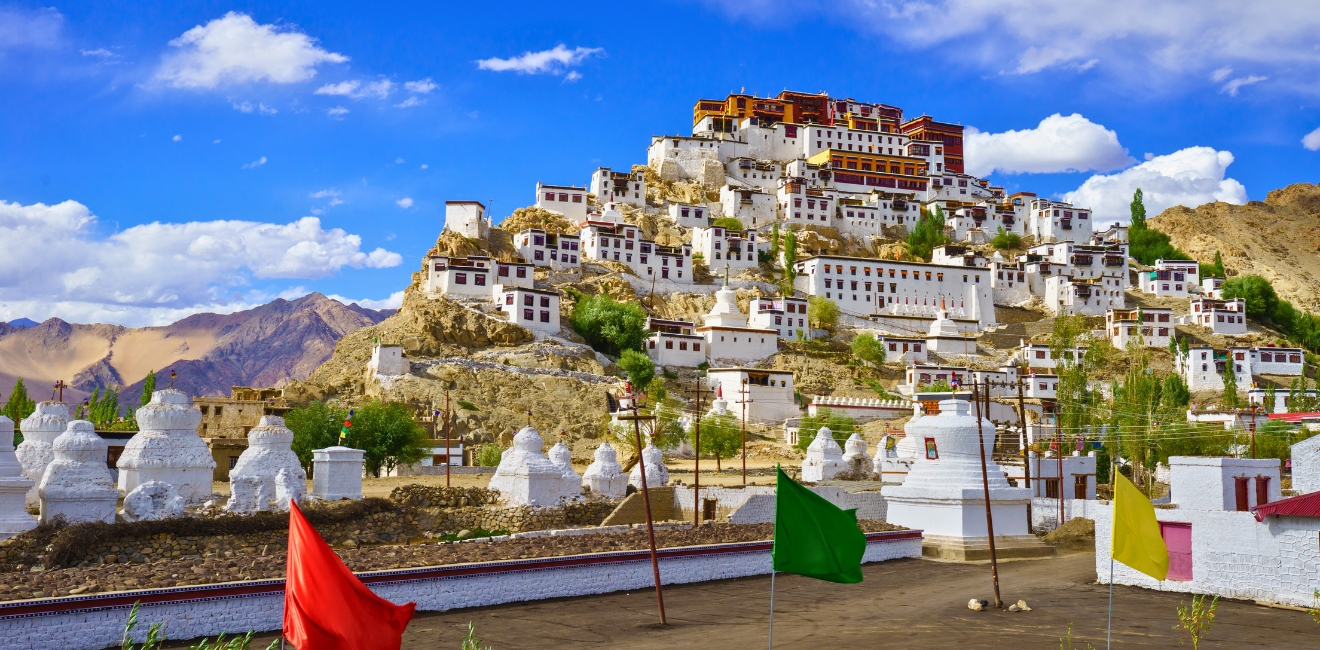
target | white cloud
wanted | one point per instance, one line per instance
(355, 89)
(216, 141)
(266, 110)
(256, 163)
(1221, 74)
(405, 202)
(399, 161)
(100, 53)
(20, 29)
(177, 138)
(556, 61)
(573, 75)
(424, 166)
(410, 102)
(159, 272)
(394, 301)
(325, 194)
(337, 112)
(343, 88)
(1188, 177)
(1312, 140)
(1058, 144)
(1233, 85)
(235, 49)
(421, 86)
(244, 107)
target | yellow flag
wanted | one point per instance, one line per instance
(1136, 539)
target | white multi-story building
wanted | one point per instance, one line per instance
(728, 337)
(1037, 355)
(1068, 295)
(865, 286)
(1220, 316)
(689, 215)
(803, 205)
(950, 255)
(724, 248)
(785, 315)
(1083, 262)
(1153, 325)
(568, 200)
(698, 158)
(557, 251)
(753, 207)
(1213, 287)
(531, 308)
(908, 350)
(761, 395)
(619, 187)
(1008, 280)
(611, 239)
(1171, 278)
(752, 173)
(864, 217)
(1058, 221)
(467, 218)
(1203, 367)
(474, 276)
(675, 343)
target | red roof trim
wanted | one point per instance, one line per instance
(1306, 505)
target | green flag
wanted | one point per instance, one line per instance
(814, 537)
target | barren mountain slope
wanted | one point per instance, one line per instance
(1278, 239)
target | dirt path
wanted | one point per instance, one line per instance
(912, 604)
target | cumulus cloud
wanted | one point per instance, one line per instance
(405, 202)
(159, 270)
(234, 49)
(394, 301)
(421, 86)
(557, 61)
(1312, 140)
(1188, 177)
(355, 89)
(256, 163)
(1058, 144)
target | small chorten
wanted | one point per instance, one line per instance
(167, 448)
(824, 458)
(562, 457)
(855, 459)
(524, 476)
(77, 483)
(657, 475)
(725, 313)
(604, 476)
(14, 486)
(40, 430)
(270, 451)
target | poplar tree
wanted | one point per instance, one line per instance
(148, 387)
(18, 407)
(1138, 209)
(1230, 383)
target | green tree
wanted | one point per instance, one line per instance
(1174, 396)
(1138, 210)
(1005, 240)
(1214, 269)
(727, 223)
(18, 407)
(148, 386)
(822, 313)
(1145, 244)
(1275, 439)
(869, 349)
(640, 368)
(608, 326)
(790, 258)
(927, 234)
(774, 241)
(841, 427)
(388, 435)
(315, 426)
(1230, 383)
(721, 437)
(1261, 299)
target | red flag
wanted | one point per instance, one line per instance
(326, 607)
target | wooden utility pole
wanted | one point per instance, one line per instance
(1252, 423)
(449, 459)
(985, 485)
(1058, 435)
(696, 463)
(646, 500)
(59, 387)
(1022, 422)
(745, 397)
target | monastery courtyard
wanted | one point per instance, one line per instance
(903, 603)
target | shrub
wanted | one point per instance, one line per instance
(389, 436)
(841, 426)
(721, 437)
(869, 349)
(1261, 299)
(608, 326)
(640, 369)
(315, 426)
(487, 455)
(822, 312)
(927, 234)
(728, 223)
(1004, 239)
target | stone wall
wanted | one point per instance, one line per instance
(633, 508)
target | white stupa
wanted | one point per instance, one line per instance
(562, 457)
(855, 459)
(944, 497)
(14, 486)
(725, 313)
(657, 475)
(944, 336)
(604, 476)
(824, 457)
(269, 451)
(77, 483)
(40, 430)
(525, 477)
(893, 464)
(167, 449)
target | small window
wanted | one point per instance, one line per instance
(527, 314)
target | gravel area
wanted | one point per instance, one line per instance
(207, 570)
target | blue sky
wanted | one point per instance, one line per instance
(163, 159)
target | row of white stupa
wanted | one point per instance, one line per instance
(526, 477)
(61, 467)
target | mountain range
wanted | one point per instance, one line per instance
(264, 346)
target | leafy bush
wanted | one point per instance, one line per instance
(640, 368)
(1004, 239)
(927, 234)
(315, 426)
(487, 455)
(389, 436)
(822, 312)
(721, 437)
(1262, 301)
(869, 349)
(467, 406)
(841, 427)
(608, 326)
(728, 223)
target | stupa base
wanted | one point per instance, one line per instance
(974, 549)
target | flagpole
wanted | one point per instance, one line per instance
(646, 501)
(1109, 630)
(772, 607)
(985, 484)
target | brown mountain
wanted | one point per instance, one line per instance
(264, 346)
(1278, 239)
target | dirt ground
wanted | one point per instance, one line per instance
(914, 604)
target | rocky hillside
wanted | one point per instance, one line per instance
(265, 346)
(1278, 239)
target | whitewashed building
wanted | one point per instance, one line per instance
(567, 200)
(1153, 325)
(800, 204)
(724, 248)
(763, 395)
(1213, 288)
(1056, 221)
(557, 251)
(609, 238)
(467, 218)
(1068, 295)
(950, 255)
(1171, 278)
(1220, 316)
(1038, 355)
(675, 343)
(531, 308)
(475, 275)
(786, 315)
(619, 187)
(865, 286)
(1008, 281)
(1203, 368)
(752, 206)
(762, 174)
(729, 339)
(908, 350)
(690, 215)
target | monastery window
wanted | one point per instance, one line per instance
(669, 345)
(461, 278)
(928, 276)
(549, 196)
(527, 314)
(528, 300)
(868, 286)
(696, 347)
(545, 301)
(678, 261)
(854, 286)
(538, 255)
(508, 299)
(651, 344)
(827, 283)
(577, 198)
(616, 243)
(644, 259)
(916, 347)
(1294, 358)
(938, 276)
(522, 273)
(545, 317)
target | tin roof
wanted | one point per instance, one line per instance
(1306, 505)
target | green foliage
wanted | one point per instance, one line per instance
(941, 386)
(728, 223)
(790, 258)
(1066, 641)
(1230, 384)
(315, 426)
(1298, 399)
(1275, 439)
(1138, 210)
(927, 234)
(774, 241)
(487, 455)
(156, 637)
(608, 326)
(822, 313)
(1005, 240)
(1261, 299)
(878, 388)
(388, 435)
(869, 349)
(18, 407)
(471, 641)
(841, 426)
(1174, 395)
(640, 368)
(656, 390)
(467, 406)
(721, 437)
(763, 257)
(477, 533)
(1214, 269)
(99, 409)
(148, 386)
(1146, 244)
(1195, 620)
